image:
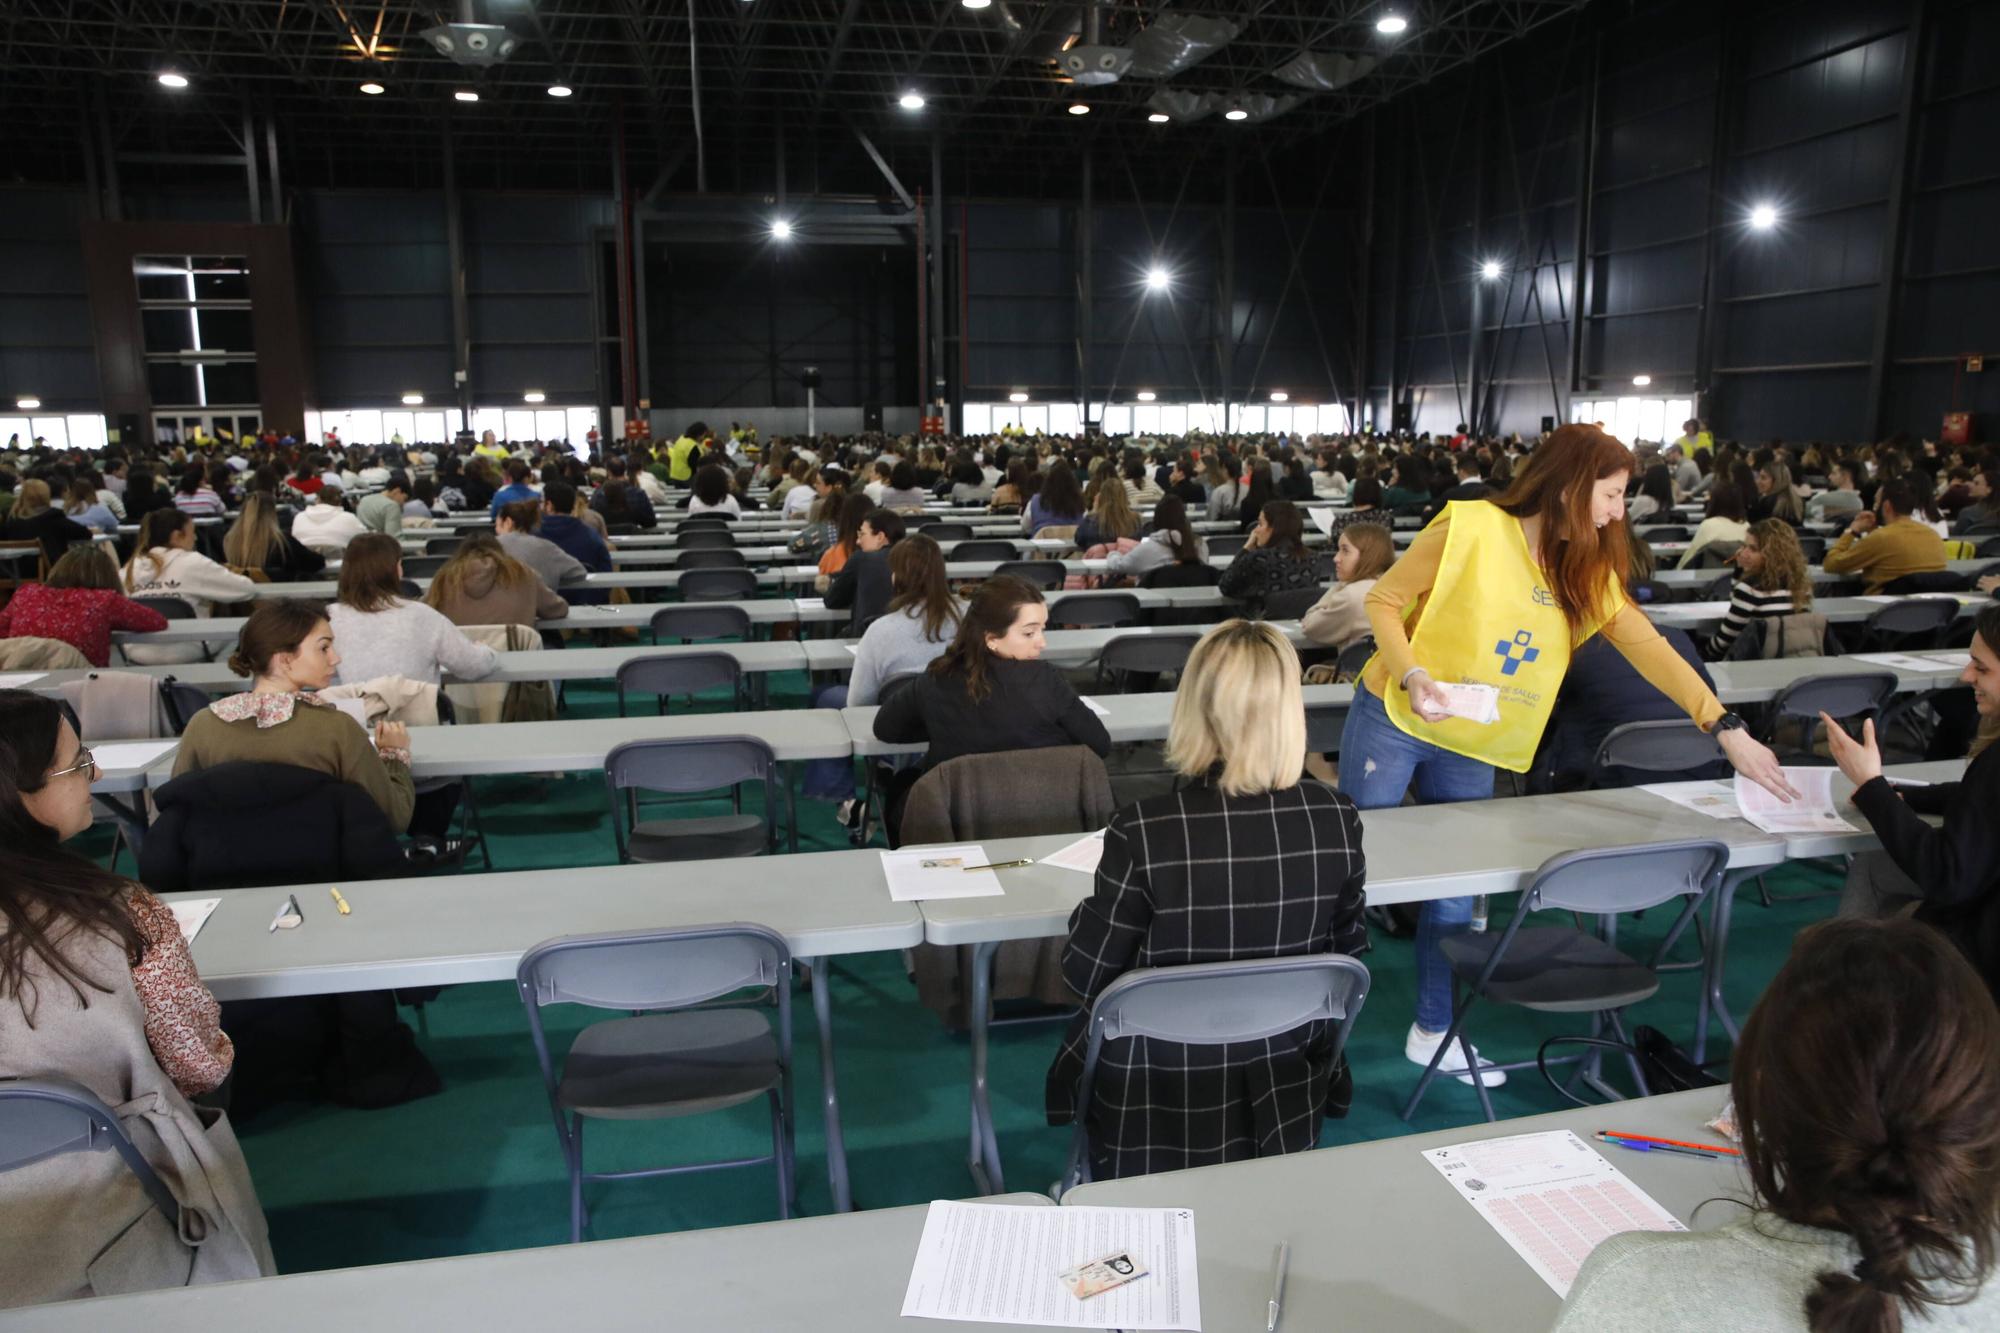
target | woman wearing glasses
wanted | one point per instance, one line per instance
(97, 987)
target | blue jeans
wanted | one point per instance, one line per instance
(829, 779)
(1377, 762)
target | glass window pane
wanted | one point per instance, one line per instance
(978, 419)
(314, 426)
(221, 279)
(1009, 415)
(551, 423)
(489, 418)
(1678, 410)
(399, 423)
(54, 431)
(427, 427)
(1117, 419)
(1625, 425)
(1652, 419)
(582, 421)
(230, 382)
(15, 430)
(1204, 417)
(1146, 418)
(1278, 419)
(1065, 419)
(171, 384)
(85, 432)
(1250, 420)
(224, 330)
(1174, 418)
(167, 331)
(520, 426)
(1035, 417)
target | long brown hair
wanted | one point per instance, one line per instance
(1170, 516)
(1288, 532)
(84, 565)
(254, 539)
(370, 577)
(1113, 509)
(276, 625)
(1555, 485)
(917, 574)
(480, 552)
(853, 512)
(155, 531)
(48, 894)
(1784, 561)
(991, 611)
(1373, 543)
(1865, 1082)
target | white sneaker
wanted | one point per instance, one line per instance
(1420, 1046)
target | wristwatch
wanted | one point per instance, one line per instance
(1727, 722)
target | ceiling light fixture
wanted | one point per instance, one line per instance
(1159, 118)
(1158, 279)
(560, 90)
(975, 4)
(911, 102)
(373, 89)
(1490, 269)
(534, 396)
(27, 404)
(781, 229)
(1079, 108)
(1764, 217)
(413, 400)
(1279, 396)
(1641, 381)
(1236, 113)
(466, 95)
(1017, 397)
(170, 79)
(1389, 25)
(1146, 395)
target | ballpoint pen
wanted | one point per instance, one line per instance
(1640, 1145)
(1001, 865)
(289, 907)
(1718, 1148)
(1278, 1288)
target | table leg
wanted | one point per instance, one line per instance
(1716, 963)
(984, 1158)
(131, 817)
(836, 1141)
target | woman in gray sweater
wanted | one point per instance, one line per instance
(1865, 1086)
(921, 618)
(381, 634)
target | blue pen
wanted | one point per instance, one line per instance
(1653, 1147)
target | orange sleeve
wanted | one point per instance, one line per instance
(1640, 643)
(1407, 581)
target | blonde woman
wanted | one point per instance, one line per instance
(1363, 555)
(1111, 517)
(1246, 860)
(1771, 580)
(33, 519)
(256, 541)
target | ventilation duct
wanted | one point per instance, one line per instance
(470, 42)
(1090, 62)
(1179, 41)
(1323, 73)
(1185, 107)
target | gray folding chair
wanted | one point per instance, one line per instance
(443, 545)
(1142, 654)
(985, 549)
(1566, 970)
(689, 623)
(174, 608)
(703, 765)
(1225, 543)
(697, 558)
(1290, 603)
(1667, 532)
(1718, 589)
(1324, 723)
(713, 518)
(1213, 1004)
(1353, 658)
(707, 538)
(423, 566)
(1095, 610)
(716, 585)
(679, 673)
(1908, 626)
(659, 1065)
(42, 1118)
(1674, 746)
(1845, 698)
(1047, 575)
(947, 532)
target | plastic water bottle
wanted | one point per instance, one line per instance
(1479, 914)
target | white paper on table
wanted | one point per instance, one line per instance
(1083, 854)
(1812, 813)
(1886, 598)
(1323, 520)
(1900, 661)
(910, 880)
(997, 1264)
(1094, 706)
(854, 648)
(192, 914)
(131, 754)
(1956, 661)
(1700, 609)
(805, 569)
(1551, 1197)
(810, 603)
(21, 681)
(1715, 799)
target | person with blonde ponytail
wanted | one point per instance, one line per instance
(1865, 1086)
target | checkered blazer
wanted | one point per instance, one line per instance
(1195, 876)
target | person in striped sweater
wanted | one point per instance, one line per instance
(1771, 580)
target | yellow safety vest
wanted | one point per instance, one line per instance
(1491, 619)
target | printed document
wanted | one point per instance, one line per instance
(1812, 813)
(1900, 661)
(20, 681)
(1551, 1196)
(132, 754)
(995, 1264)
(1956, 661)
(1083, 854)
(1716, 799)
(939, 872)
(1322, 519)
(192, 914)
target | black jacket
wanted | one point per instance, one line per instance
(244, 825)
(1465, 490)
(54, 529)
(1602, 691)
(1028, 705)
(1957, 866)
(1195, 876)
(863, 584)
(293, 562)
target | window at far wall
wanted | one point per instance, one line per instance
(977, 419)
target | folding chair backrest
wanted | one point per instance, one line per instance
(1720, 589)
(172, 608)
(442, 545)
(1919, 617)
(1095, 609)
(652, 969)
(947, 532)
(1324, 723)
(985, 549)
(1149, 652)
(1225, 543)
(708, 518)
(710, 537)
(1610, 880)
(677, 673)
(410, 590)
(1812, 547)
(698, 558)
(701, 622)
(419, 566)
(716, 585)
(1354, 657)
(1839, 697)
(1043, 574)
(1290, 603)
(1673, 746)
(1191, 574)
(42, 1118)
(1667, 532)
(706, 763)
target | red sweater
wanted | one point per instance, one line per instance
(80, 617)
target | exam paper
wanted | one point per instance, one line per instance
(1900, 661)
(996, 1264)
(854, 648)
(131, 754)
(1473, 702)
(1956, 661)
(809, 603)
(1551, 1196)
(192, 914)
(1885, 598)
(1813, 813)
(939, 872)
(1697, 609)
(1323, 520)
(1094, 706)
(1716, 799)
(1083, 854)
(20, 681)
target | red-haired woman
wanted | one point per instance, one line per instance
(1498, 593)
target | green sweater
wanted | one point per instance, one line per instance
(322, 739)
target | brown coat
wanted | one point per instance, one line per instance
(321, 739)
(485, 602)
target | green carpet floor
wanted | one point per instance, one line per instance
(476, 1168)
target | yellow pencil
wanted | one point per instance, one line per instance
(339, 901)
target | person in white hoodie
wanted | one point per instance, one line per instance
(326, 527)
(164, 563)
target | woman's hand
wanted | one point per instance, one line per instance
(1427, 698)
(1990, 583)
(1754, 760)
(391, 736)
(1860, 760)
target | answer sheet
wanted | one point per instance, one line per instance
(1083, 854)
(996, 1264)
(1715, 799)
(192, 914)
(1812, 813)
(131, 754)
(1900, 661)
(939, 872)
(1551, 1196)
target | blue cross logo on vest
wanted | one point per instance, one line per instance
(1515, 651)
